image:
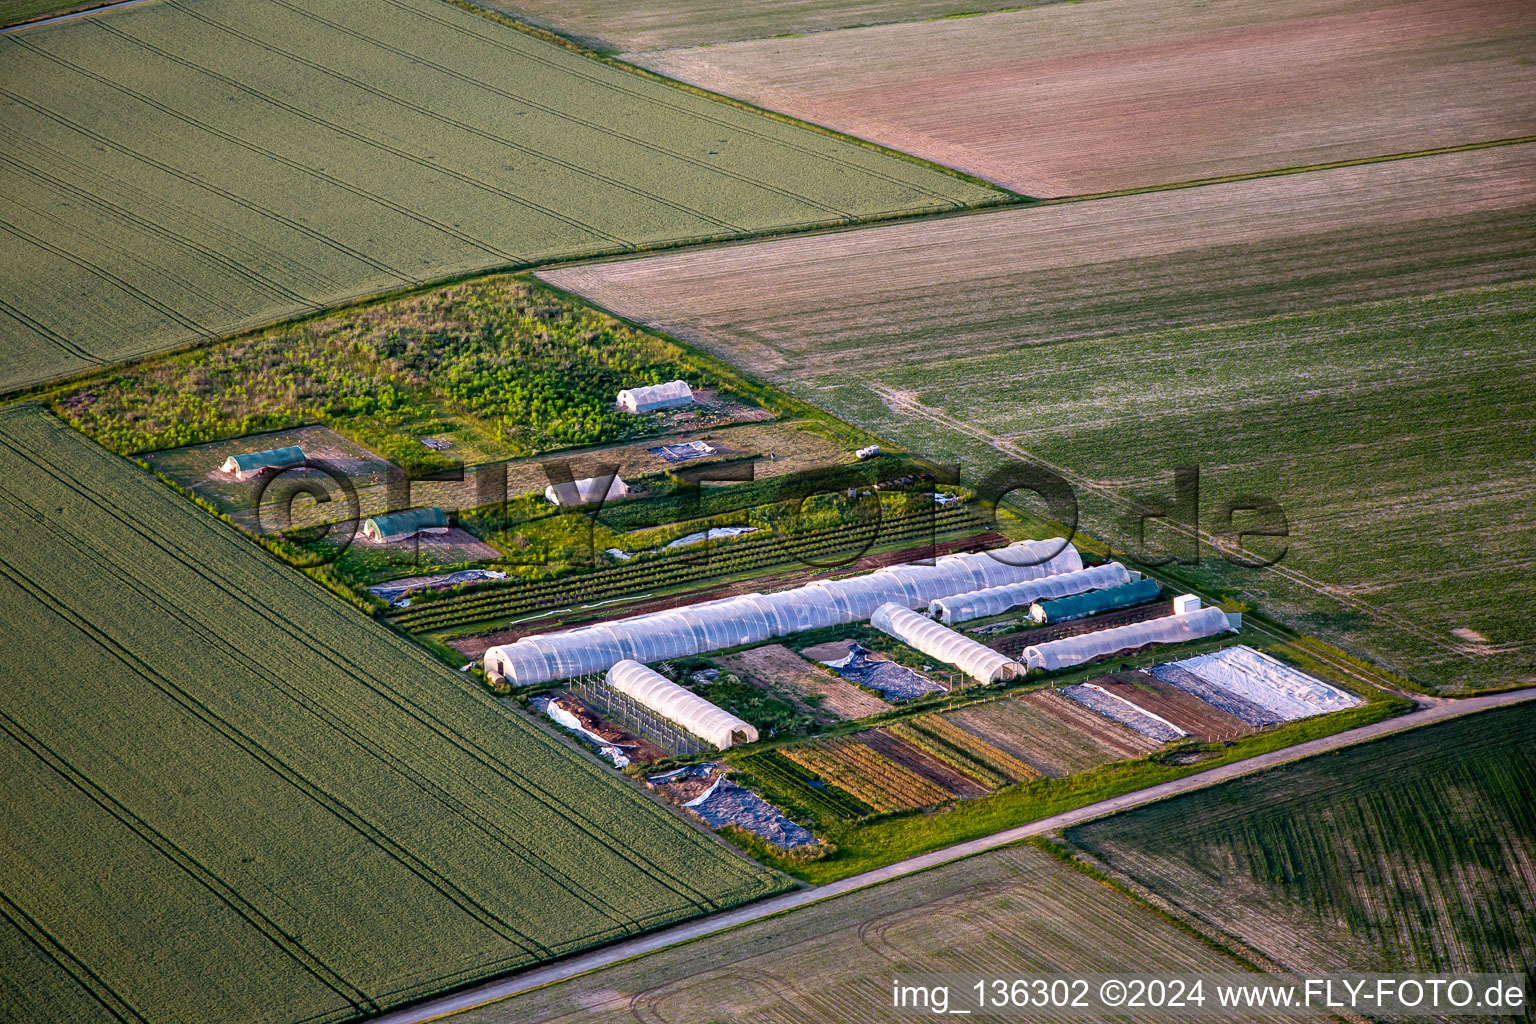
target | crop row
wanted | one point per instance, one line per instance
(741, 556)
(945, 754)
(868, 775)
(973, 749)
(794, 784)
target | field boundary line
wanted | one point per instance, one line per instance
(1281, 172)
(631, 949)
(1004, 195)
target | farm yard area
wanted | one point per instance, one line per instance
(1411, 853)
(1354, 344)
(223, 768)
(1070, 99)
(177, 172)
(1017, 910)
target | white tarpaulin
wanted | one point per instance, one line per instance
(1171, 629)
(1267, 682)
(758, 618)
(978, 661)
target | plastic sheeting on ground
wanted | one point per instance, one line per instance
(395, 589)
(679, 705)
(758, 618)
(726, 803)
(1241, 708)
(1170, 629)
(893, 680)
(979, 604)
(566, 720)
(1267, 682)
(1125, 712)
(936, 640)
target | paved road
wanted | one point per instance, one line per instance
(511, 985)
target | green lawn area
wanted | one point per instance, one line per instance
(230, 797)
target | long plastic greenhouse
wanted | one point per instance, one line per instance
(757, 618)
(941, 643)
(979, 604)
(1171, 629)
(679, 705)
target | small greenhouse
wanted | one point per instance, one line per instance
(1170, 629)
(979, 604)
(941, 643)
(586, 490)
(757, 618)
(400, 525)
(1078, 606)
(251, 464)
(679, 704)
(652, 397)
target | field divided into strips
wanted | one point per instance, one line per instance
(1359, 344)
(1416, 852)
(1017, 911)
(1069, 99)
(231, 798)
(622, 25)
(176, 171)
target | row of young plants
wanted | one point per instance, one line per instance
(723, 561)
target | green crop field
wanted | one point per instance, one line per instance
(1336, 341)
(229, 797)
(1414, 852)
(176, 171)
(1017, 911)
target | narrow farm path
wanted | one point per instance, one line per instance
(523, 981)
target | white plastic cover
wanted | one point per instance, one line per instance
(656, 396)
(1269, 683)
(585, 490)
(679, 705)
(978, 604)
(978, 661)
(1171, 629)
(757, 618)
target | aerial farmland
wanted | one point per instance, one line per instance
(691, 513)
(1123, 95)
(166, 182)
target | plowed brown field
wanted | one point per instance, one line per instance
(1184, 710)
(1079, 98)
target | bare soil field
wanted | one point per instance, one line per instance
(621, 25)
(782, 669)
(1006, 911)
(1071, 99)
(1356, 344)
(1188, 712)
(1050, 733)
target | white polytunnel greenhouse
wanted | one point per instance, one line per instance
(1170, 629)
(978, 661)
(979, 604)
(679, 705)
(757, 618)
